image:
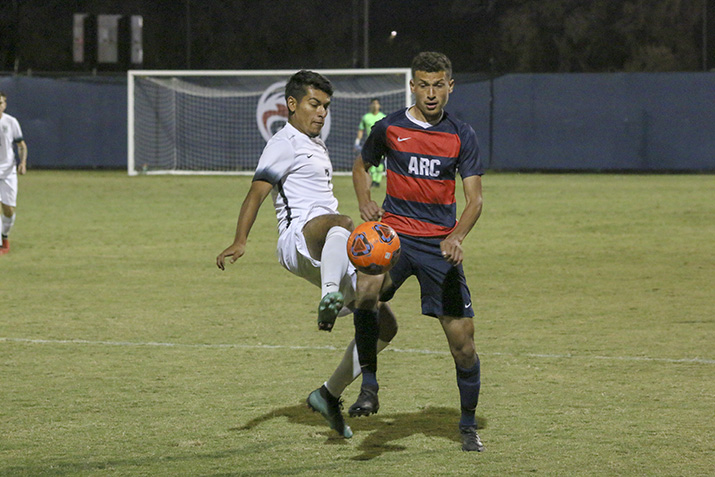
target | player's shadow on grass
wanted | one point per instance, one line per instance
(379, 431)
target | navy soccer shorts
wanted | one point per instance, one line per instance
(443, 286)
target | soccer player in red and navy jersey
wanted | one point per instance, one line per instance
(424, 149)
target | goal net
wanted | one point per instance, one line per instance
(218, 122)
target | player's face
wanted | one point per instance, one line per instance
(310, 112)
(431, 92)
(375, 107)
(3, 104)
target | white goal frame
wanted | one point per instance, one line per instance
(132, 74)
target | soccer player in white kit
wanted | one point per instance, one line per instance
(312, 236)
(10, 133)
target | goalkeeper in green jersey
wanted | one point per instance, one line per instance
(366, 123)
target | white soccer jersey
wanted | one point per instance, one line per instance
(10, 133)
(300, 171)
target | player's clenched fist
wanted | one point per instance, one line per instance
(371, 211)
(452, 251)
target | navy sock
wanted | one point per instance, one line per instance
(369, 380)
(366, 334)
(468, 382)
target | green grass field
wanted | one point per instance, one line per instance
(125, 351)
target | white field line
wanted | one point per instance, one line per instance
(333, 348)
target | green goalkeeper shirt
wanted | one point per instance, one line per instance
(369, 120)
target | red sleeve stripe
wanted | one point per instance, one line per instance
(414, 227)
(423, 142)
(426, 191)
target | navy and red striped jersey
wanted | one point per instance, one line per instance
(421, 164)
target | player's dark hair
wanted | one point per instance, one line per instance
(375, 99)
(3, 95)
(299, 83)
(431, 62)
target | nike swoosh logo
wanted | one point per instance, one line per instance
(401, 139)
(309, 156)
(468, 305)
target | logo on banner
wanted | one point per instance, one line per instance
(272, 112)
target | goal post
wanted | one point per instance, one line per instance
(218, 122)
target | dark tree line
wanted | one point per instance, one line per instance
(602, 35)
(479, 35)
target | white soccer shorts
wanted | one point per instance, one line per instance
(293, 254)
(8, 189)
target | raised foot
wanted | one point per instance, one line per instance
(328, 310)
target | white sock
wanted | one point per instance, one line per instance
(348, 369)
(7, 223)
(334, 259)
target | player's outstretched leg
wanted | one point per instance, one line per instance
(349, 368)
(333, 267)
(328, 310)
(366, 336)
(329, 407)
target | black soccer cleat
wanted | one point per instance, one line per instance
(366, 404)
(329, 407)
(470, 439)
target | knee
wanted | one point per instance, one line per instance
(345, 222)
(368, 291)
(7, 210)
(465, 354)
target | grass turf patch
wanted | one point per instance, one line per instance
(123, 349)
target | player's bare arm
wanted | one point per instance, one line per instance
(249, 211)
(369, 210)
(22, 153)
(452, 245)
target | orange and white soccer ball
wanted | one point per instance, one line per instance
(373, 248)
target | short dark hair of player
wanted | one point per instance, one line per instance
(375, 99)
(3, 95)
(431, 62)
(299, 83)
